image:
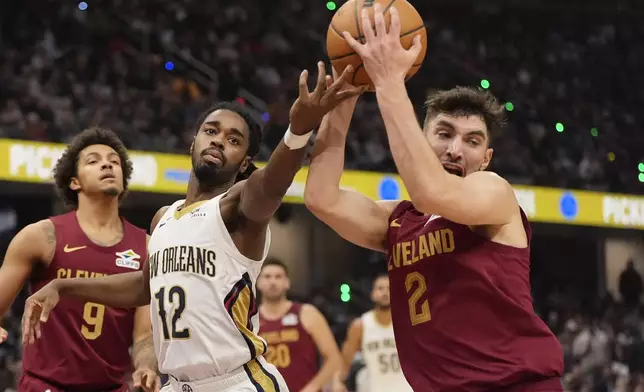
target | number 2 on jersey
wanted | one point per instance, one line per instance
(415, 279)
(176, 298)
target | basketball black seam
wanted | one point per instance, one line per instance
(353, 77)
(360, 36)
(388, 6)
(341, 36)
(417, 29)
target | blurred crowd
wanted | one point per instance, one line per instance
(147, 69)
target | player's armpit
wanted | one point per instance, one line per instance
(481, 198)
(351, 345)
(317, 326)
(32, 245)
(356, 218)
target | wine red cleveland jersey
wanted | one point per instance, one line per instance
(85, 346)
(462, 309)
(291, 349)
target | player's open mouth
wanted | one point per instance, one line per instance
(454, 169)
(108, 176)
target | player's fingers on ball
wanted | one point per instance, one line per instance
(355, 45)
(303, 87)
(367, 28)
(379, 20)
(394, 26)
(343, 79)
(349, 93)
(416, 46)
(329, 81)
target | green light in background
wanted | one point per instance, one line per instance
(509, 106)
(331, 6)
(345, 297)
(594, 132)
(485, 83)
(345, 289)
(559, 127)
(641, 177)
(640, 167)
(611, 156)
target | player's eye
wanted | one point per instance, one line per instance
(233, 141)
(115, 162)
(211, 131)
(443, 135)
(474, 142)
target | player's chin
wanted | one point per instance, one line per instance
(112, 190)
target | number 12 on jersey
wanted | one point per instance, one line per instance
(177, 300)
(417, 285)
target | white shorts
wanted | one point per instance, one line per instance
(256, 376)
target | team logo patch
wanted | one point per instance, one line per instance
(128, 259)
(289, 320)
(197, 213)
(186, 388)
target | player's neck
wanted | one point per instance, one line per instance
(383, 316)
(197, 192)
(99, 214)
(275, 309)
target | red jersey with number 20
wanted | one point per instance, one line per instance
(462, 309)
(85, 346)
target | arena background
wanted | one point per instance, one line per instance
(569, 74)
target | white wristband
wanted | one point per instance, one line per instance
(295, 142)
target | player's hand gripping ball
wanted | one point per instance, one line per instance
(362, 44)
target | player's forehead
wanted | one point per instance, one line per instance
(461, 124)
(228, 120)
(381, 281)
(273, 270)
(98, 151)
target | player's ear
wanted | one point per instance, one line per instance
(488, 157)
(192, 146)
(74, 184)
(244, 165)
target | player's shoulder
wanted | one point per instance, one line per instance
(38, 237)
(311, 316)
(157, 217)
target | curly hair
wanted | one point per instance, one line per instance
(67, 166)
(467, 101)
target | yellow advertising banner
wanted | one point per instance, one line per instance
(25, 161)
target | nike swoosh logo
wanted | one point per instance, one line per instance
(67, 249)
(394, 223)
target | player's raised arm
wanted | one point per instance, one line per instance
(317, 326)
(481, 198)
(262, 193)
(354, 216)
(32, 245)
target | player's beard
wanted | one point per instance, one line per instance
(210, 175)
(383, 306)
(111, 191)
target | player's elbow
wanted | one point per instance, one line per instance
(320, 201)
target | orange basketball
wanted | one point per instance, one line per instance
(348, 18)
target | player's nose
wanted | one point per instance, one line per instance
(455, 151)
(217, 141)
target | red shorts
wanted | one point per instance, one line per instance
(29, 383)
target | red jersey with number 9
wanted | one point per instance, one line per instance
(85, 346)
(462, 309)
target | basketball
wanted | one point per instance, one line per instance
(348, 18)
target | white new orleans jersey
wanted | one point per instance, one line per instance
(381, 357)
(203, 308)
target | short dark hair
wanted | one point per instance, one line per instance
(276, 263)
(468, 101)
(67, 166)
(254, 130)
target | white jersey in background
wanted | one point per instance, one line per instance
(204, 308)
(381, 357)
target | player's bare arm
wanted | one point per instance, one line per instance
(317, 326)
(143, 356)
(351, 345)
(432, 189)
(33, 245)
(354, 216)
(127, 290)
(250, 204)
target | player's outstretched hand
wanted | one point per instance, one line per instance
(382, 54)
(310, 107)
(37, 308)
(3, 335)
(146, 379)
